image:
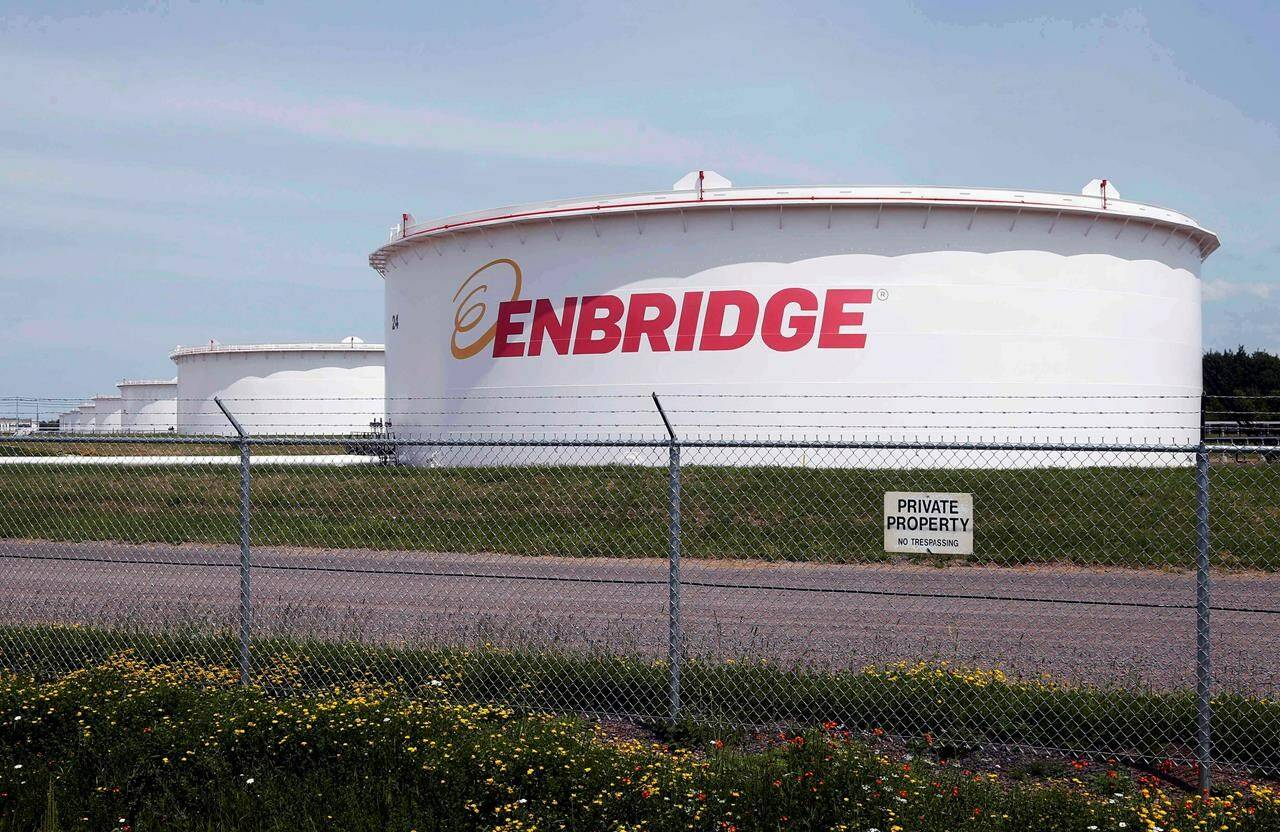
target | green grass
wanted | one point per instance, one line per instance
(961, 708)
(1140, 517)
(131, 746)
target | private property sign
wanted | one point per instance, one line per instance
(939, 524)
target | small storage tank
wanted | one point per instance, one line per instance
(107, 412)
(903, 314)
(67, 421)
(149, 405)
(87, 420)
(281, 389)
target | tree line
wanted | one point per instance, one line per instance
(1241, 386)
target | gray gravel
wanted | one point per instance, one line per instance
(1134, 626)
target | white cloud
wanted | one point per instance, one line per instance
(1219, 289)
(60, 174)
(615, 141)
(108, 92)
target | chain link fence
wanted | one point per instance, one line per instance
(1118, 601)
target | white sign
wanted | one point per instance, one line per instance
(938, 524)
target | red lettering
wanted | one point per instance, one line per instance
(688, 328)
(802, 326)
(545, 323)
(598, 331)
(506, 328)
(713, 336)
(639, 325)
(835, 318)
(601, 324)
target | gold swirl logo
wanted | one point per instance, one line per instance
(472, 310)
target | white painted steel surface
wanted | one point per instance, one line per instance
(87, 418)
(273, 389)
(155, 461)
(107, 414)
(149, 405)
(1061, 318)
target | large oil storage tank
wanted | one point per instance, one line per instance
(281, 389)
(107, 413)
(149, 405)
(875, 313)
(85, 423)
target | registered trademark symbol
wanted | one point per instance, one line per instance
(882, 294)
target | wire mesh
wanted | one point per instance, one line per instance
(99, 551)
(537, 572)
(1244, 522)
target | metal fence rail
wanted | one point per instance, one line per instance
(737, 582)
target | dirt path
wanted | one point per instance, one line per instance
(1076, 624)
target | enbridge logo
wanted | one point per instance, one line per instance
(468, 314)
(714, 320)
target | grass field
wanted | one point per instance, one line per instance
(130, 745)
(962, 708)
(1141, 517)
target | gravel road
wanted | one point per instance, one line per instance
(1118, 625)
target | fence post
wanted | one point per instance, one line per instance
(675, 633)
(246, 592)
(1204, 675)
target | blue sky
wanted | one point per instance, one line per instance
(174, 173)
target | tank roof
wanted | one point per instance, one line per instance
(1090, 202)
(147, 382)
(106, 397)
(215, 348)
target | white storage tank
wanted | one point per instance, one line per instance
(281, 389)
(870, 313)
(107, 412)
(68, 421)
(87, 419)
(149, 405)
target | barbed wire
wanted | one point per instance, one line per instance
(667, 393)
(733, 411)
